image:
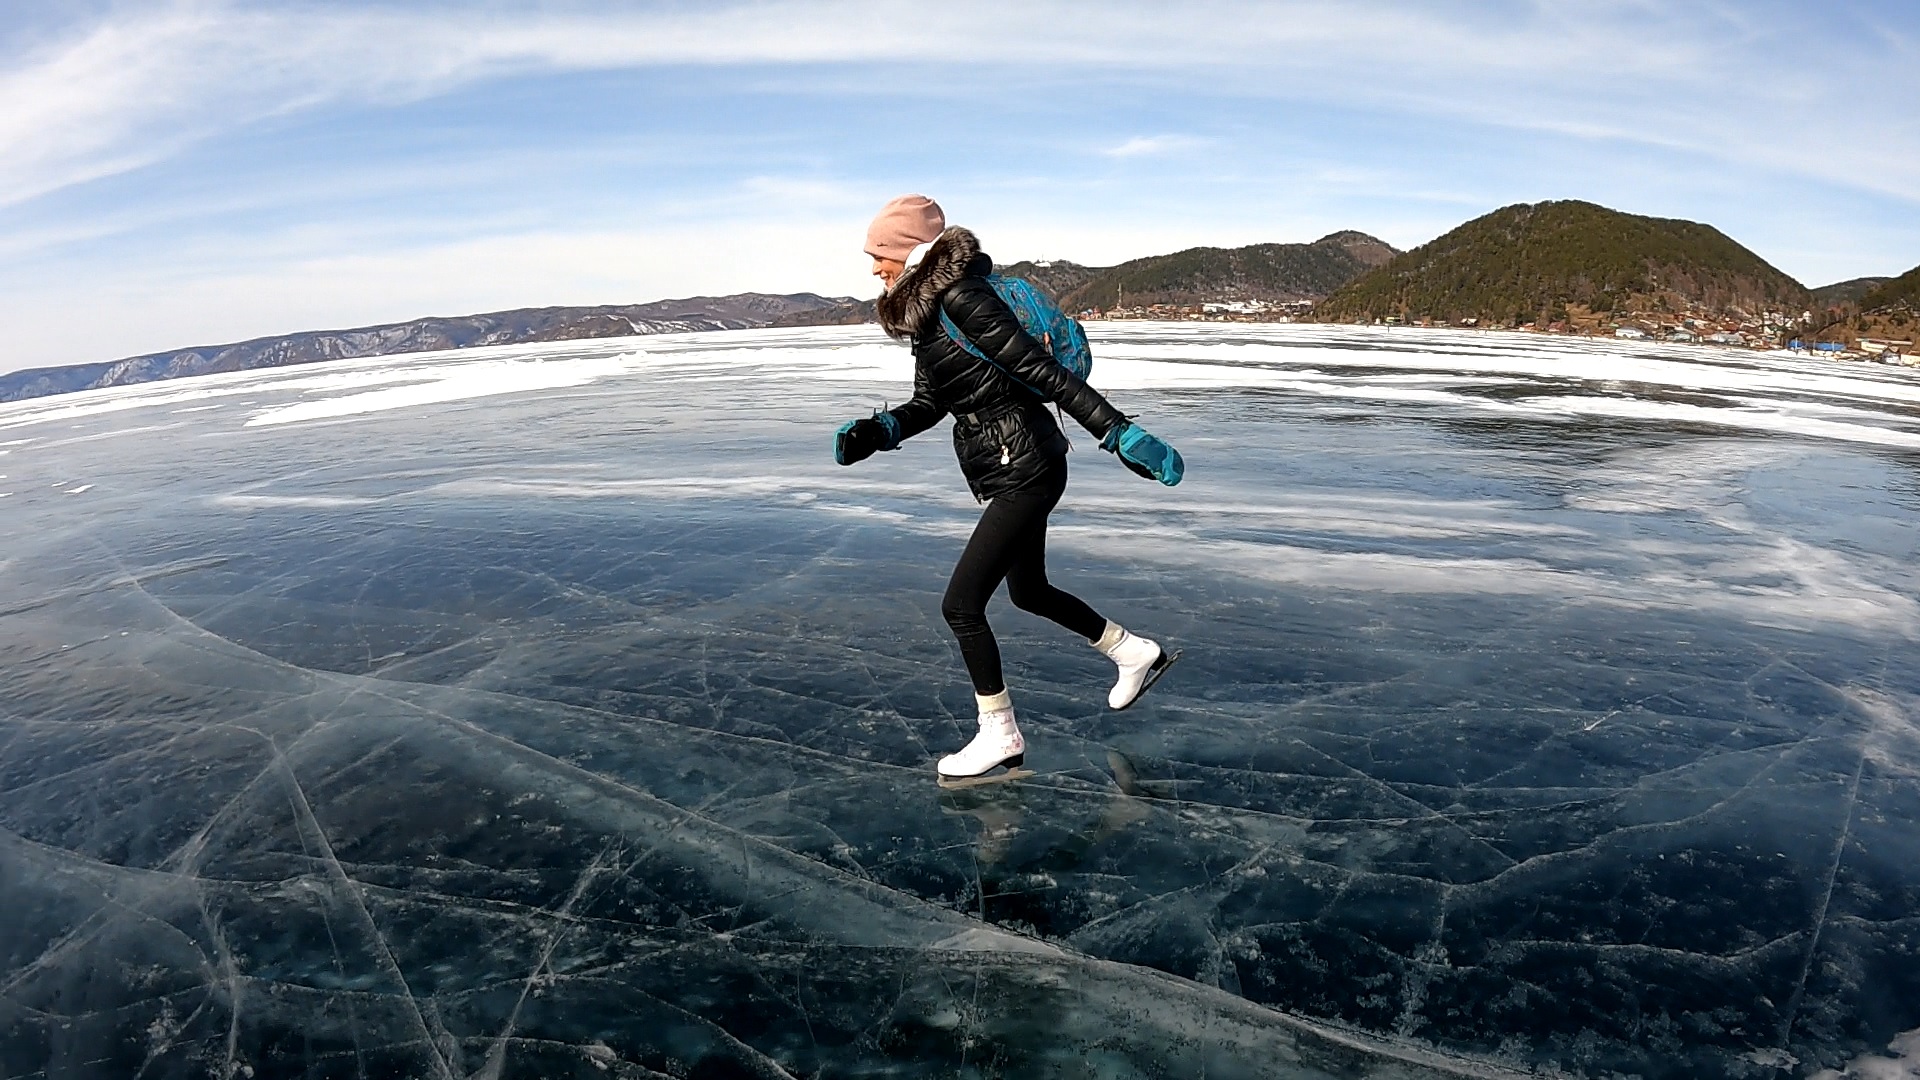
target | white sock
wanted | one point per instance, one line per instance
(989, 703)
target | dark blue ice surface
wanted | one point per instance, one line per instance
(566, 712)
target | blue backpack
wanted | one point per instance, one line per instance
(1043, 321)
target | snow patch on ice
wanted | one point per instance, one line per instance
(1903, 1065)
(810, 488)
(322, 501)
(451, 382)
(1332, 512)
(1756, 417)
(1767, 393)
(1814, 587)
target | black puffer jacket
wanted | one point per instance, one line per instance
(1003, 433)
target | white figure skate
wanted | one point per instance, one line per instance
(1141, 662)
(997, 744)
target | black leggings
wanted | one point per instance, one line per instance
(1010, 544)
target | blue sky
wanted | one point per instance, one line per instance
(178, 173)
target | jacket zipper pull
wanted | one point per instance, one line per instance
(1006, 456)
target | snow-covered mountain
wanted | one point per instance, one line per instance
(519, 326)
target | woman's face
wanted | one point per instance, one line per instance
(888, 270)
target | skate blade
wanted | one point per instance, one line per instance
(1158, 669)
(957, 783)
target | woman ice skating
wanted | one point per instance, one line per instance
(979, 365)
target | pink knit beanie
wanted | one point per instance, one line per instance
(904, 224)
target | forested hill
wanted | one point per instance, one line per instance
(1267, 272)
(1531, 262)
(1842, 293)
(1057, 278)
(1901, 291)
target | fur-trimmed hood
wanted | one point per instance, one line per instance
(915, 298)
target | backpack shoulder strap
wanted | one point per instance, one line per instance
(960, 339)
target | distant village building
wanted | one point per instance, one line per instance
(1885, 345)
(1237, 307)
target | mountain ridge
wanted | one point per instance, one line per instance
(1541, 262)
(515, 326)
(1851, 291)
(1263, 273)
(1903, 291)
(1055, 277)
(1565, 262)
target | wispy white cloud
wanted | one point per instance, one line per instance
(1727, 81)
(1222, 94)
(1154, 146)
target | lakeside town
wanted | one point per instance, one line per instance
(1769, 331)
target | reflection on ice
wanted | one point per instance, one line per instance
(585, 727)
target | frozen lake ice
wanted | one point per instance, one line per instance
(564, 711)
